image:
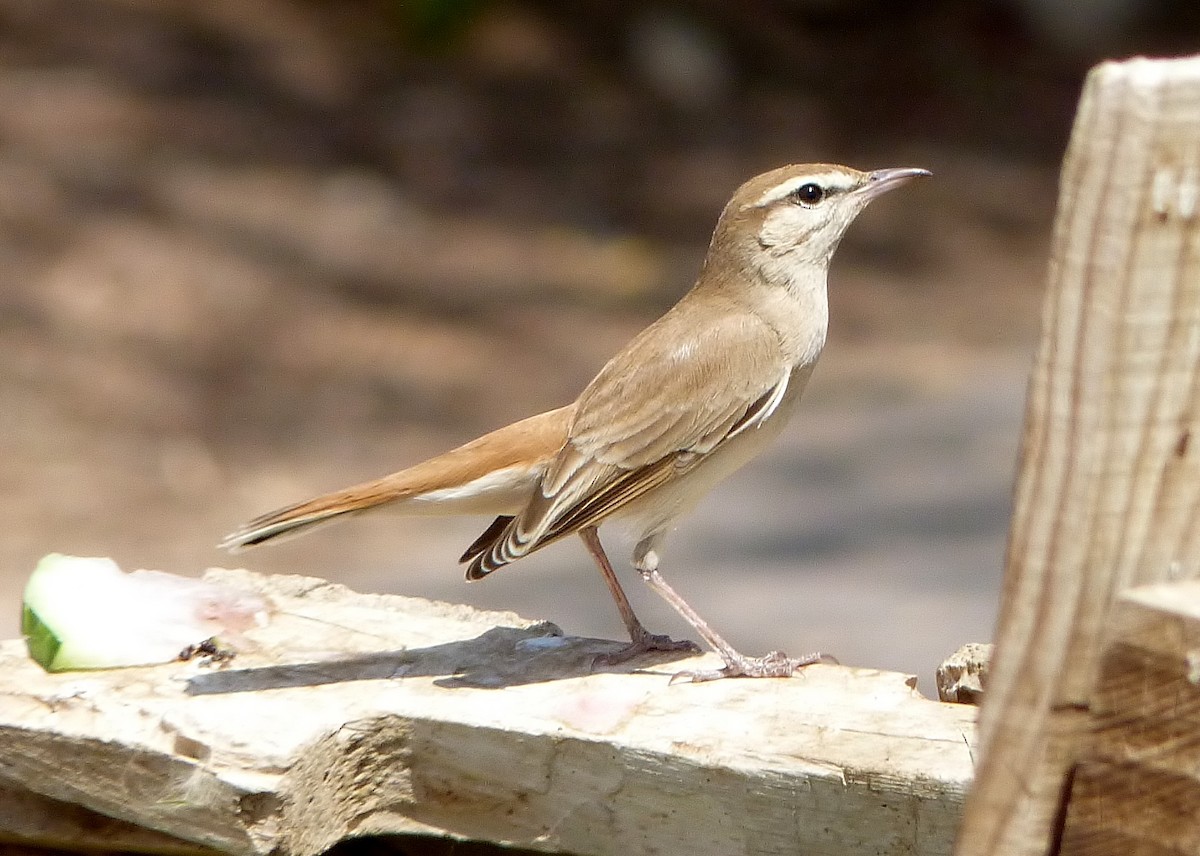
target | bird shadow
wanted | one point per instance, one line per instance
(497, 658)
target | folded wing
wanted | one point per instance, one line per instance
(654, 413)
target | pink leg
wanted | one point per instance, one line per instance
(774, 665)
(641, 640)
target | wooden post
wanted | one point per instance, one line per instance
(1108, 494)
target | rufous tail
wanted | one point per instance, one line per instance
(490, 475)
(300, 517)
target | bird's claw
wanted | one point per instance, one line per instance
(649, 643)
(773, 665)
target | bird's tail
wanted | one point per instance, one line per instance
(299, 517)
(490, 475)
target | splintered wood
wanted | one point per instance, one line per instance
(1108, 492)
(354, 715)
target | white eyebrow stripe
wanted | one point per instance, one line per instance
(828, 180)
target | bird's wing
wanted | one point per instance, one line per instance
(655, 411)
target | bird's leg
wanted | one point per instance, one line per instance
(774, 665)
(641, 640)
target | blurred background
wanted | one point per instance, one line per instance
(254, 251)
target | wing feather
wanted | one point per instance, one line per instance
(653, 413)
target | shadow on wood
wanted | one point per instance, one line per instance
(497, 658)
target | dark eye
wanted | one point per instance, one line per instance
(809, 194)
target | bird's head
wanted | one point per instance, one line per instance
(793, 217)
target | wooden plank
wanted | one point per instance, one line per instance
(377, 714)
(1135, 790)
(42, 824)
(1109, 484)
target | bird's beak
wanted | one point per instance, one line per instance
(882, 180)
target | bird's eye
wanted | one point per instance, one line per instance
(809, 193)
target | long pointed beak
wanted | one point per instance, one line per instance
(882, 180)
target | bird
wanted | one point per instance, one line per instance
(688, 401)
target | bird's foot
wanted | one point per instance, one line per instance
(774, 665)
(645, 644)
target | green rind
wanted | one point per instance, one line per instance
(42, 642)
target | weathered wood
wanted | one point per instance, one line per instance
(962, 676)
(1135, 789)
(392, 715)
(32, 820)
(1109, 486)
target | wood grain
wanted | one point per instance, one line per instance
(1135, 790)
(1108, 491)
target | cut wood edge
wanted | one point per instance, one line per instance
(1136, 785)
